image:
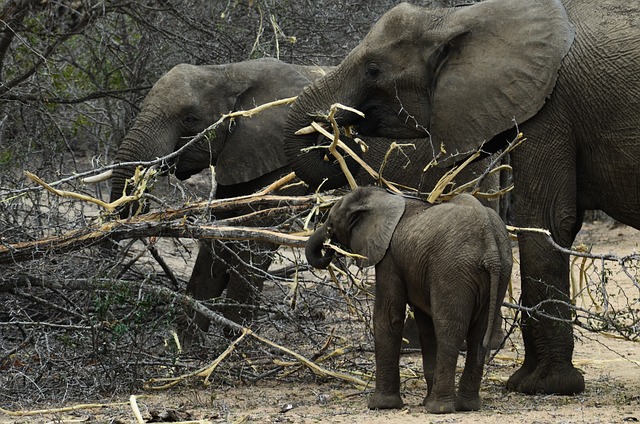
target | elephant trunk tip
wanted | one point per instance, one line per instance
(317, 255)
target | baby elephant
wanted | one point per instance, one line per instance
(450, 261)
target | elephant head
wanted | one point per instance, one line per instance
(190, 98)
(455, 77)
(365, 223)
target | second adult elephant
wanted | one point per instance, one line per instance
(565, 71)
(247, 154)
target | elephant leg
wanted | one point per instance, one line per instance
(388, 322)
(468, 398)
(248, 271)
(451, 327)
(548, 343)
(429, 345)
(238, 267)
(208, 280)
(546, 197)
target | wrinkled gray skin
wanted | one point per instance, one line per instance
(566, 71)
(247, 156)
(451, 262)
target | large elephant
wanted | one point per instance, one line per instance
(247, 155)
(450, 261)
(565, 72)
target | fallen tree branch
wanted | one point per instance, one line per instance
(120, 230)
(220, 320)
(172, 223)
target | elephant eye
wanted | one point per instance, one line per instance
(372, 71)
(190, 120)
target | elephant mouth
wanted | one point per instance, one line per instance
(382, 121)
(183, 175)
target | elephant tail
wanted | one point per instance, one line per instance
(493, 266)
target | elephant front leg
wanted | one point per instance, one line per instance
(208, 280)
(547, 367)
(249, 264)
(388, 322)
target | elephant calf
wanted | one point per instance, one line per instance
(450, 261)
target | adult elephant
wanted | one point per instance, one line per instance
(566, 72)
(247, 154)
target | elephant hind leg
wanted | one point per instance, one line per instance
(450, 333)
(468, 398)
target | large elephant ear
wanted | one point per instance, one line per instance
(371, 235)
(502, 65)
(255, 145)
(253, 148)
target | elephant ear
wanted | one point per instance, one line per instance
(502, 64)
(371, 234)
(253, 147)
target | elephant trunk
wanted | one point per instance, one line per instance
(316, 166)
(314, 249)
(140, 144)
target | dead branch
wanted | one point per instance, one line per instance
(204, 134)
(57, 410)
(220, 320)
(171, 223)
(120, 230)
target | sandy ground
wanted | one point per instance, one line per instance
(611, 367)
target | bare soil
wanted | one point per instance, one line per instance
(611, 367)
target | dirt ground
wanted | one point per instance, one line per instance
(611, 367)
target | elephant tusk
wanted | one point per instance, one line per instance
(98, 178)
(306, 130)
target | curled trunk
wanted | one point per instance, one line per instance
(314, 249)
(315, 166)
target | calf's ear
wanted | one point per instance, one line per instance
(371, 234)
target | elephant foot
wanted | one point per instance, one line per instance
(385, 401)
(547, 379)
(468, 404)
(435, 406)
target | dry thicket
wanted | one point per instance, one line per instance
(81, 320)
